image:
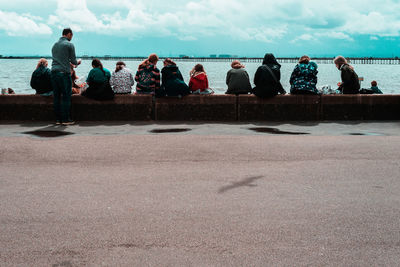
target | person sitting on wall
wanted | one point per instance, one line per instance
(198, 83)
(237, 79)
(267, 78)
(7, 91)
(122, 79)
(350, 83)
(76, 89)
(148, 76)
(98, 81)
(304, 79)
(41, 79)
(172, 80)
(373, 90)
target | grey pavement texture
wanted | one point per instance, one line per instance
(217, 195)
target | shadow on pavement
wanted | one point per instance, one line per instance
(50, 132)
(246, 182)
(275, 131)
(171, 130)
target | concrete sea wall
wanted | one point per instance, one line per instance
(207, 108)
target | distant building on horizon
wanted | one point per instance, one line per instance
(227, 56)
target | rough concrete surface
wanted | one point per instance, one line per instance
(217, 195)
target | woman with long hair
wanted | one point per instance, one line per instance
(350, 83)
(304, 77)
(237, 79)
(198, 83)
(121, 79)
(41, 78)
(267, 78)
(148, 76)
(172, 80)
(98, 81)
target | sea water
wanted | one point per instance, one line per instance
(16, 74)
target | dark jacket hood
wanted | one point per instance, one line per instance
(170, 68)
(269, 59)
(39, 71)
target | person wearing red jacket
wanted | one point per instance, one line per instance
(198, 83)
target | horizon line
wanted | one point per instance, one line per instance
(194, 57)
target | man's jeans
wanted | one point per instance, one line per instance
(62, 87)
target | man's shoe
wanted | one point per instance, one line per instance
(70, 122)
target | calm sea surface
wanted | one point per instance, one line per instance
(16, 74)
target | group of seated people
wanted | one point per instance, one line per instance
(102, 85)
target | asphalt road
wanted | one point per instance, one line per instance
(218, 195)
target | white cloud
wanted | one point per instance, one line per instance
(188, 21)
(22, 25)
(335, 35)
(373, 23)
(187, 38)
(75, 14)
(304, 37)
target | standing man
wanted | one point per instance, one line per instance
(63, 53)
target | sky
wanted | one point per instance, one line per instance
(287, 28)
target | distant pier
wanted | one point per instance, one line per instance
(319, 60)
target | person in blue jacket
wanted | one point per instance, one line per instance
(373, 90)
(304, 77)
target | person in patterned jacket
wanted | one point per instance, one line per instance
(148, 76)
(122, 79)
(304, 77)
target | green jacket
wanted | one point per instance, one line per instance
(97, 76)
(376, 90)
(63, 53)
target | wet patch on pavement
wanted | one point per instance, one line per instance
(275, 131)
(367, 134)
(48, 133)
(171, 130)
